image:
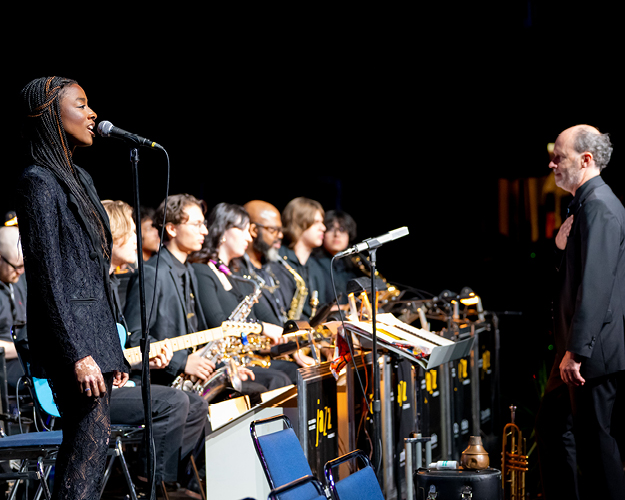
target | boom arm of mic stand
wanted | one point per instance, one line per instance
(145, 341)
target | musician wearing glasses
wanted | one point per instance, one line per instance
(179, 417)
(12, 298)
(261, 258)
(176, 311)
(340, 232)
(221, 293)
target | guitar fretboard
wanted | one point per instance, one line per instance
(133, 354)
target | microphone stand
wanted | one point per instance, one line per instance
(145, 341)
(376, 404)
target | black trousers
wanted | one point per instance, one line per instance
(179, 421)
(573, 434)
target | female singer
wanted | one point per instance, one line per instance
(67, 249)
(220, 293)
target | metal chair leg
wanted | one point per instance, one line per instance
(43, 480)
(165, 494)
(197, 477)
(120, 454)
(117, 451)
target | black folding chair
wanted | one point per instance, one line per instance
(47, 411)
(37, 452)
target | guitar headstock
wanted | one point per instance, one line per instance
(238, 328)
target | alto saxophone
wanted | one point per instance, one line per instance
(214, 351)
(217, 350)
(301, 292)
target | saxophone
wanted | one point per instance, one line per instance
(217, 350)
(214, 351)
(299, 299)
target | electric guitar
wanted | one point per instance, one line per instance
(227, 329)
(43, 392)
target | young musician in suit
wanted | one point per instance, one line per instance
(179, 418)
(304, 230)
(176, 308)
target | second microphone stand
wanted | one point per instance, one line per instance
(376, 404)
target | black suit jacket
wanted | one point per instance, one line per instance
(589, 310)
(69, 303)
(170, 312)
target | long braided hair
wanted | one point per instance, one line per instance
(47, 145)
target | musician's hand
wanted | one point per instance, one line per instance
(120, 378)
(199, 367)
(163, 357)
(274, 332)
(303, 359)
(570, 370)
(563, 233)
(245, 373)
(89, 377)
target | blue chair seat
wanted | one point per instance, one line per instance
(360, 485)
(282, 458)
(29, 445)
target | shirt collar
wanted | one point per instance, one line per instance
(582, 193)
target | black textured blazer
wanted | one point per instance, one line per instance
(589, 308)
(69, 303)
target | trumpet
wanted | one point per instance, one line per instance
(514, 461)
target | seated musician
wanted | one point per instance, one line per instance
(220, 293)
(340, 232)
(281, 296)
(174, 310)
(12, 299)
(179, 418)
(262, 259)
(304, 230)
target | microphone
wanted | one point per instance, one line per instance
(373, 243)
(107, 129)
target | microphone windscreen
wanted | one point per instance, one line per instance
(104, 128)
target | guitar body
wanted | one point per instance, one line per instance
(43, 392)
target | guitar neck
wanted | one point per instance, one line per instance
(133, 354)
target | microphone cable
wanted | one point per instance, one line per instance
(348, 340)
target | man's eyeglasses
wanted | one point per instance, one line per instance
(197, 225)
(16, 268)
(271, 229)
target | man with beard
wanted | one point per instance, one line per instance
(262, 259)
(573, 424)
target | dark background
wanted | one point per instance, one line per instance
(404, 116)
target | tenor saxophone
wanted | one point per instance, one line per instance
(301, 292)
